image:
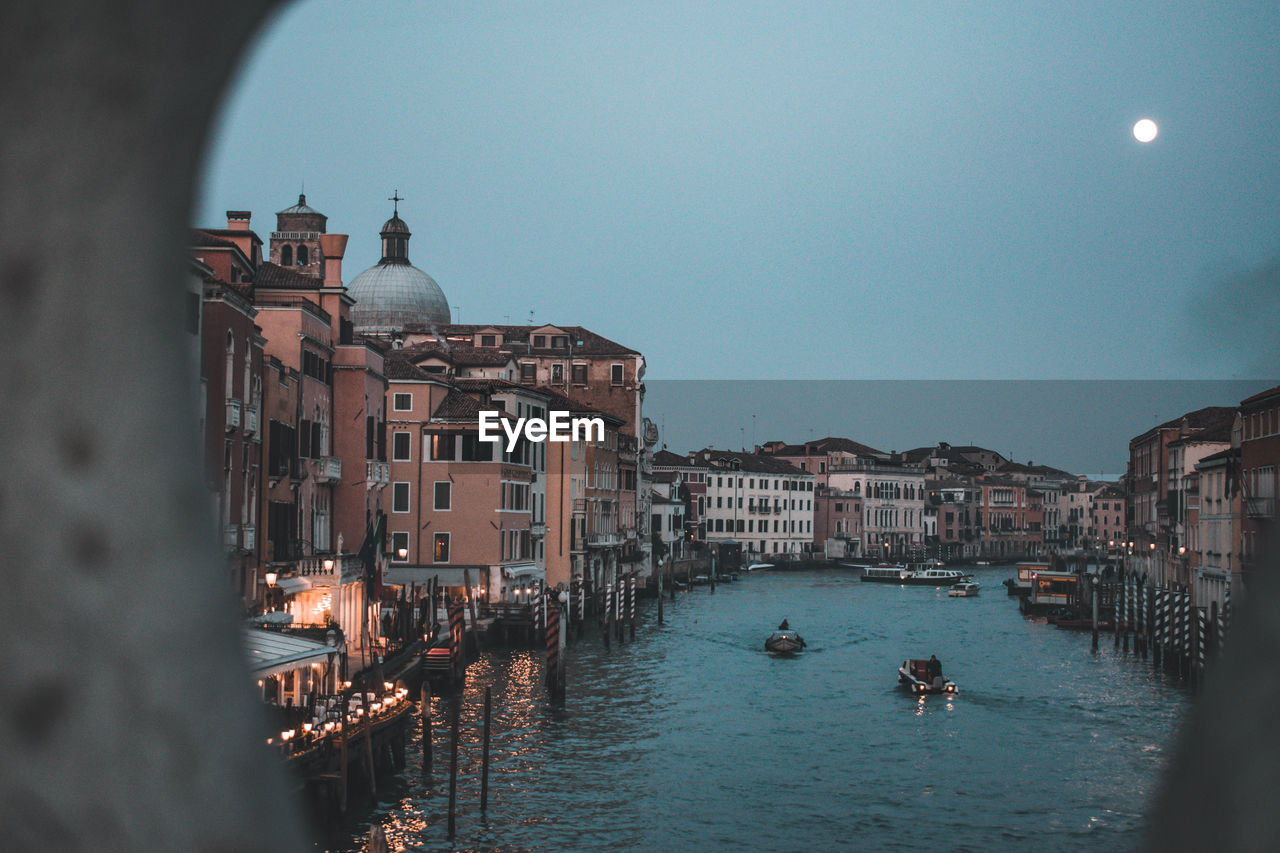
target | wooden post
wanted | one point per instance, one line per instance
(368, 742)
(659, 579)
(453, 770)
(426, 727)
(342, 760)
(608, 615)
(713, 568)
(1093, 595)
(631, 596)
(471, 601)
(484, 761)
(551, 639)
(1126, 582)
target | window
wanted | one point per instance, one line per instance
(302, 256)
(402, 402)
(399, 542)
(540, 341)
(444, 495)
(488, 340)
(440, 547)
(442, 446)
(557, 374)
(615, 374)
(579, 374)
(528, 371)
(475, 450)
(559, 342)
(286, 256)
(401, 447)
(399, 497)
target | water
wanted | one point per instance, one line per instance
(692, 737)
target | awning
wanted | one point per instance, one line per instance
(271, 653)
(294, 585)
(522, 570)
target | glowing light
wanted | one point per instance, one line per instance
(1145, 130)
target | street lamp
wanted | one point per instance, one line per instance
(270, 578)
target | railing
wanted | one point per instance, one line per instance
(1259, 508)
(295, 235)
(231, 536)
(326, 469)
(341, 567)
(376, 473)
(603, 540)
(249, 535)
(538, 528)
(233, 414)
(251, 421)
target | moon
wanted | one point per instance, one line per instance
(1145, 130)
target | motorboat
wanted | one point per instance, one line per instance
(784, 642)
(907, 575)
(964, 589)
(757, 567)
(885, 573)
(914, 675)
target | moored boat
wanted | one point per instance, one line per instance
(784, 642)
(757, 567)
(964, 589)
(885, 573)
(914, 675)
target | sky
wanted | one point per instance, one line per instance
(797, 190)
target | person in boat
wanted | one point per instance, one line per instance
(934, 668)
(784, 626)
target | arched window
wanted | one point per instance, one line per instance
(286, 256)
(302, 256)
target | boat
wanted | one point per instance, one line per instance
(758, 567)
(700, 580)
(964, 589)
(914, 675)
(884, 573)
(784, 643)
(1020, 584)
(910, 576)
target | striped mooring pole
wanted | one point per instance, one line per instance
(631, 600)
(1157, 635)
(552, 636)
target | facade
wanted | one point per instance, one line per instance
(893, 499)
(1259, 442)
(1218, 567)
(956, 504)
(837, 523)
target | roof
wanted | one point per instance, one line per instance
(205, 238)
(1220, 456)
(582, 342)
(723, 460)
(392, 295)
(1260, 396)
(402, 369)
(271, 276)
(271, 653)
(457, 353)
(300, 208)
(457, 406)
(1197, 420)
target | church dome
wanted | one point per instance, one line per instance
(394, 293)
(390, 296)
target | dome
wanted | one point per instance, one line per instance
(395, 225)
(391, 295)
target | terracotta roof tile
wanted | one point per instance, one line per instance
(275, 277)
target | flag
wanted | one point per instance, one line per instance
(372, 558)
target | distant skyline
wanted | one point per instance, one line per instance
(1079, 426)
(769, 190)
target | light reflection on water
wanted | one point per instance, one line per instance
(693, 737)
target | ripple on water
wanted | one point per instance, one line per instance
(692, 738)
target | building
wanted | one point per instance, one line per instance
(1259, 441)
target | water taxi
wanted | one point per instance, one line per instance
(964, 589)
(914, 675)
(784, 643)
(922, 575)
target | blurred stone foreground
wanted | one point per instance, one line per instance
(128, 721)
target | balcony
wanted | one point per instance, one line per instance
(1260, 509)
(326, 469)
(248, 537)
(538, 528)
(603, 540)
(376, 473)
(331, 568)
(251, 421)
(233, 414)
(231, 536)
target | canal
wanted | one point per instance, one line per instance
(692, 737)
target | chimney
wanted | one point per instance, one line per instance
(333, 247)
(238, 220)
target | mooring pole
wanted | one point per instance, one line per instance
(631, 595)
(659, 579)
(453, 771)
(1093, 595)
(484, 761)
(608, 615)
